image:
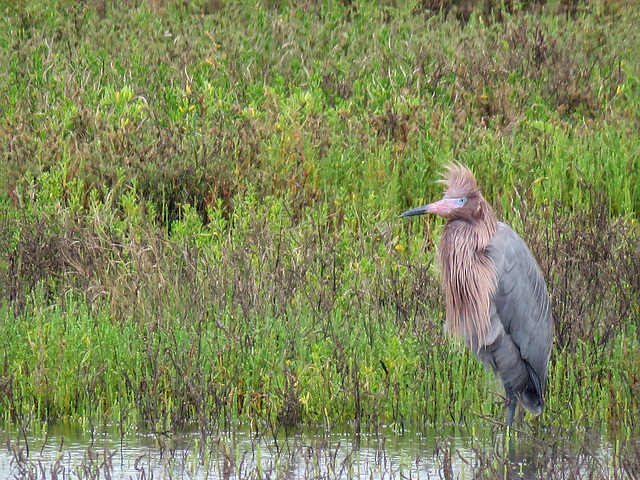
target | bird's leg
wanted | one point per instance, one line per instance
(511, 404)
(511, 409)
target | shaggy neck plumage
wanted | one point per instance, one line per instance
(468, 276)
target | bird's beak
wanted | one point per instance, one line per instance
(441, 207)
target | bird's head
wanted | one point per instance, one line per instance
(462, 199)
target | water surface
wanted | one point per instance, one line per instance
(67, 450)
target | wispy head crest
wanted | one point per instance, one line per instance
(459, 181)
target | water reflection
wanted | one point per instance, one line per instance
(71, 451)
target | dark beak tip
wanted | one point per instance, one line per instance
(414, 212)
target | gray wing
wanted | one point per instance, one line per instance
(522, 300)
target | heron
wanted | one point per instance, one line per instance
(496, 295)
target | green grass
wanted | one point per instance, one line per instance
(200, 210)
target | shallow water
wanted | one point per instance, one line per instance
(72, 451)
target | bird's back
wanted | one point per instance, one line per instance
(521, 319)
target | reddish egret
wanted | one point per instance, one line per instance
(497, 299)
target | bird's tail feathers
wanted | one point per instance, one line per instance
(532, 397)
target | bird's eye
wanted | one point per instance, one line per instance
(462, 201)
